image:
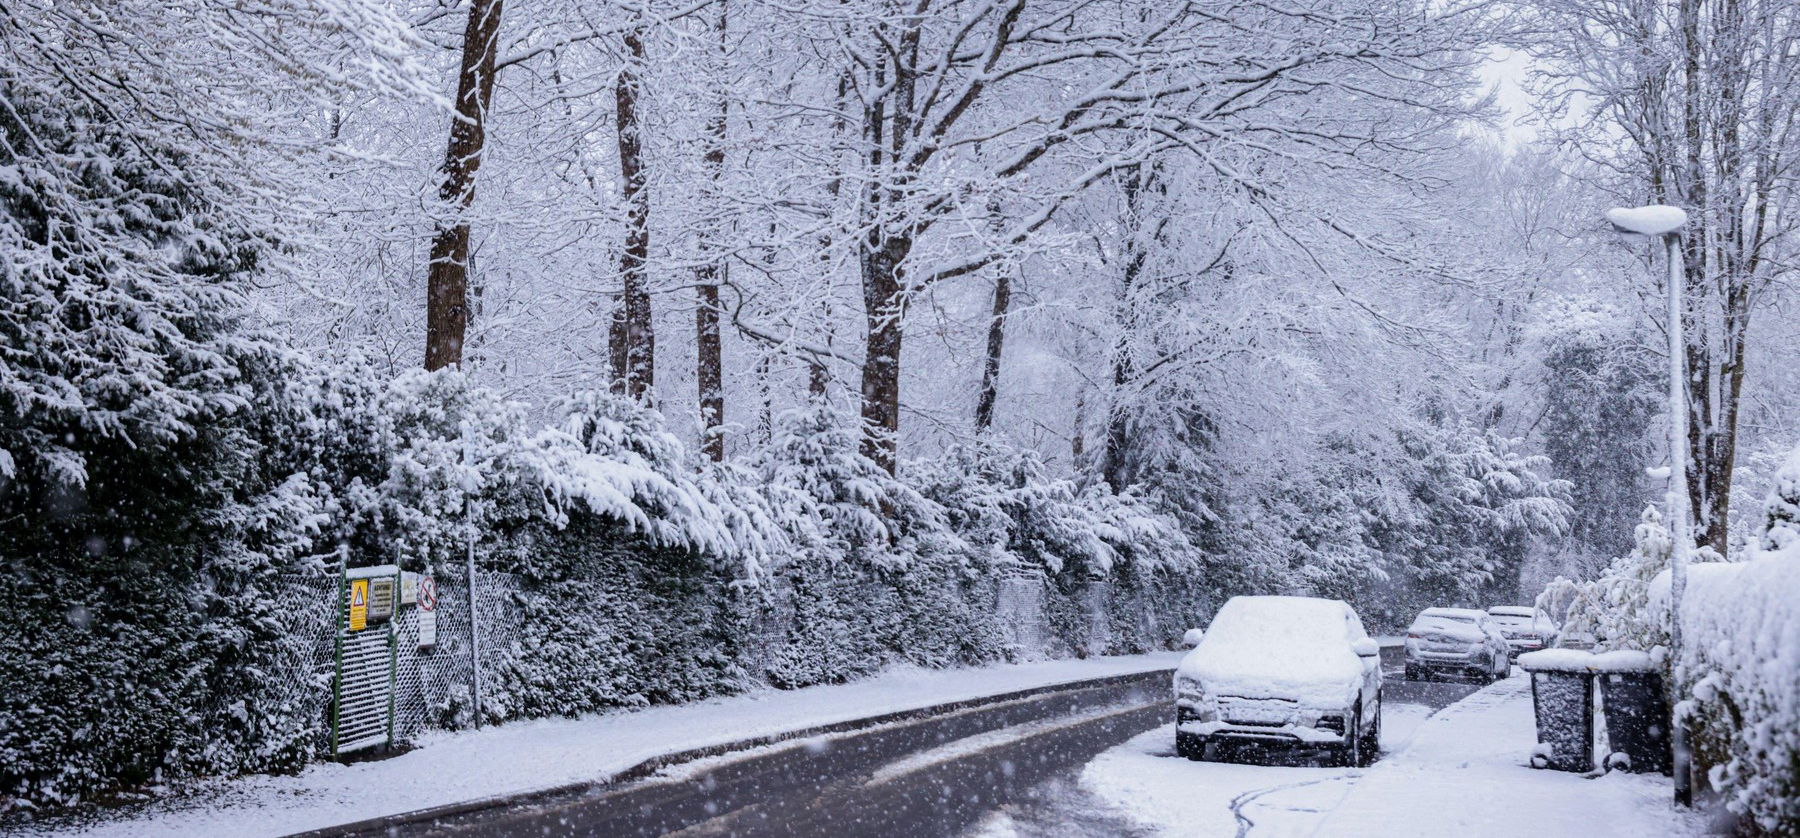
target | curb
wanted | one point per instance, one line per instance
(385, 823)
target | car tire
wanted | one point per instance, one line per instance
(1372, 746)
(1355, 741)
(1190, 746)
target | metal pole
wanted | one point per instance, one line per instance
(1678, 506)
(474, 618)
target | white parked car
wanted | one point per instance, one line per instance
(1281, 670)
(1458, 640)
(1526, 629)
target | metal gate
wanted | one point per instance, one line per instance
(362, 692)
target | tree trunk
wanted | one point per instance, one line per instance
(709, 363)
(635, 353)
(1078, 439)
(884, 317)
(996, 342)
(1115, 465)
(447, 280)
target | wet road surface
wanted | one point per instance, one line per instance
(927, 778)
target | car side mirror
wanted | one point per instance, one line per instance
(1193, 637)
(1366, 648)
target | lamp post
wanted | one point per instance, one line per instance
(1666, 222)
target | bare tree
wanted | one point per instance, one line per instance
(996, 344)
(447, 284)
(953, 108)
(1142, 225)
(709, 369)
(1705, 94)
(633, 336)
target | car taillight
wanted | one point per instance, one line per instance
(1413, 635)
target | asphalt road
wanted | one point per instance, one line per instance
(928, 778)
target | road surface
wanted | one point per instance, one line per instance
(929, 778)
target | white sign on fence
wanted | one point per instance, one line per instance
(427, 600)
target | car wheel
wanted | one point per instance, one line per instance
(1372, 747)
(1190, 746)
(1354, 739)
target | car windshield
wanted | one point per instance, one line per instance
(1512, 620)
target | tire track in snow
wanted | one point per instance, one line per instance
(1476, 701)
(1245, 824)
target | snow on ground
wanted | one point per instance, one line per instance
(1145, 778)
(1462, 772)
(452, 768)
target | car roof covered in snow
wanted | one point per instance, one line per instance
(1464, 613)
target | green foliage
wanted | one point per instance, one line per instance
(1600, 397)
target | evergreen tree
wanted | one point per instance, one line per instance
(1600, 396)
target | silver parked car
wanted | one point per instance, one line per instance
(1526, 629)
(1296, 672)
(1456, 640)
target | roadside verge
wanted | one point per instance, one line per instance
(385, 824)
(519, 759)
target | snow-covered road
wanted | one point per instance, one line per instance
(512, 758)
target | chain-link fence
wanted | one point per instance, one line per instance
(306, 613)
(435, 686)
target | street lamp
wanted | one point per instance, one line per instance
(1667, 221)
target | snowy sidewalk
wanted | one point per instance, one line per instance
(1461, 772)
(525, 756)
(1466, 774)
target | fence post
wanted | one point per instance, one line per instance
(340, 604)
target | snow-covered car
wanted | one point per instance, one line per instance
(1526, 629)
(1283, 671)
(1456, 640)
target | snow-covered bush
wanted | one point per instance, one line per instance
(879, 572)
(1740, 668)
(1615, 608)
(140, 522)
(628, 557)
(1116, 558)
(1444, 513)
(1781, 520)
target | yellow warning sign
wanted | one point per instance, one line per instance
(359, 604)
